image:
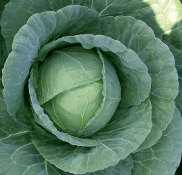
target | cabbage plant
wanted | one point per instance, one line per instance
(90, 87)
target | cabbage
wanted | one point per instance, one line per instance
(90, 87)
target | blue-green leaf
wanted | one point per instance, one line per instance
(11, 21)
(124, 167)
(117, 140)
(164, 157)
(17, 153)
(137, 36)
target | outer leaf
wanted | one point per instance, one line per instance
(165, 17)
(17, 154)
(124, 167)
(117, 140)
(52, 170)
(160, 63)
(39, 29)
(154, 13)
(137, 8)
(164, 157)
(11, 21)
(112, 7)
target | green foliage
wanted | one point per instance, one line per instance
(90, 87)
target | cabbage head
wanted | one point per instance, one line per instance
(90, 87)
